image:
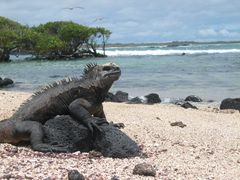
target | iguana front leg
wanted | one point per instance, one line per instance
(100, 113)
(80, 111)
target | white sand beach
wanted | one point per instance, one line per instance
(207, 148)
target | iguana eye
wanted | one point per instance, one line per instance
(106, 68)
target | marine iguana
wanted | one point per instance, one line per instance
(81, 98)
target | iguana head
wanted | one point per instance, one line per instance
(106, 73)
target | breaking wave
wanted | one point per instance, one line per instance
(161, 52)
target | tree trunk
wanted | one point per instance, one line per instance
(4, 55)
(94, 51)
(104, 45)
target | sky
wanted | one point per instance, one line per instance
(137, 21)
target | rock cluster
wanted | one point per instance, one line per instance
(121, 96)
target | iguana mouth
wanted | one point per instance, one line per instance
(112, 73)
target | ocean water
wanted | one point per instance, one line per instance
(211, 71)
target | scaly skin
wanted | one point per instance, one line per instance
(80, 98)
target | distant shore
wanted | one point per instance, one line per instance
(179, 43)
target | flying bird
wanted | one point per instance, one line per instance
(72, 8)
(98, 19)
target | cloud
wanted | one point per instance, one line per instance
(137, 21)
(218, 33)
(208, 32)
(227, 33)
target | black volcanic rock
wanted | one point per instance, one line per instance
(135, 100)
(63, 130)
(187, 105)
(193, 98)
(122, 96)
(111, 97)
(230, 103)
(153, 98)
(114, 143)
(178, 123)
(75, 175)
(5, 82)
(144, 169)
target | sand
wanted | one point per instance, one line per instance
(207, 148)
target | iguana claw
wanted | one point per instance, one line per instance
(94, 123)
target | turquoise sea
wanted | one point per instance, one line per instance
(211, 71)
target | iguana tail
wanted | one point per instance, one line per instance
(7, 132)
(14, 132)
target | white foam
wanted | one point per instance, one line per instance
(161, 52)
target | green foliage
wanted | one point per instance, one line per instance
(10, 34)
(28, 39)
(59, 39)
(6, 23)
(8, 39)
(65, 30)
(48, 44)
(14, 35)
(70, 33)
(73, 32)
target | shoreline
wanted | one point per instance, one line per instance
(207, 148)
(165, 100)
(22, 96)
